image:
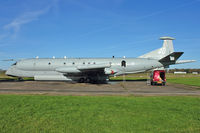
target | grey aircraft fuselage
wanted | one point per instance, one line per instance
(43, 68)
(95, 69)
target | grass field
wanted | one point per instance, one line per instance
(5, 77)
(193, 81)
(87, 114)
(186, 79)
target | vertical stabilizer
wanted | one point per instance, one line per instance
(165, 50)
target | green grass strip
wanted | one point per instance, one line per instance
(100, 114)
(193, 81)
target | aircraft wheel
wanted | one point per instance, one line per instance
(81, 80)
(20, 79)
(88, 80)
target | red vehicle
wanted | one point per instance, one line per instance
(158, 77)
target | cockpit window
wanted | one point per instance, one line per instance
(14, 64)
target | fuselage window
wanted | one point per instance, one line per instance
(64, 63)
(83, 63)
(73, 63)
(49, 63)
(88, 62)
(94, 63)
(123, 64)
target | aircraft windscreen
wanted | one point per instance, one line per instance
(14, 64)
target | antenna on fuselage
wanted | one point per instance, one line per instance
(37, 57)
(65, 57)
(53, 57)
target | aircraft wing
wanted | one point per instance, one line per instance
(83, 68)
(93, 67)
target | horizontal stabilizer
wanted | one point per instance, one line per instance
(184, 61)
(171, 57)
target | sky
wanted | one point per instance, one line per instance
(97, 28)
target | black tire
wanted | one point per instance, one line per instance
(20, 79)
(153, 83)
(88, 80)
(81, 80)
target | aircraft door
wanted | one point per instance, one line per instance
(123, 63)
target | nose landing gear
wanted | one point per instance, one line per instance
(20, 79)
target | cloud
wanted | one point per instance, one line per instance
(11, 29)
(25, 18)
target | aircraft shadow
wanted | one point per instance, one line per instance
(129, 80)
(14, 80)
(110, 81)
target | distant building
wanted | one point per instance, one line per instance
(180, 72)
(195, 73)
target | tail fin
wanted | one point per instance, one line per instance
(166, 49)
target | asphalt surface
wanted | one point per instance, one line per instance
(112, 88)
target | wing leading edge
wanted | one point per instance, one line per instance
(83, 68)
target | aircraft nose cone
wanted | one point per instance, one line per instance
(10, 72)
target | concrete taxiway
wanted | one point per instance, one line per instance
(112, 88)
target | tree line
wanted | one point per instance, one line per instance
(184, 70)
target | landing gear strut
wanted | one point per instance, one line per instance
(85, 80)
(89, 80)
(20, 79)
(81, 80)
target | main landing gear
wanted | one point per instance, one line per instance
(20, 79)
(90, 80)
(84, 80)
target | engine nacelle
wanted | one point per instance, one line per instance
(109, 71)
